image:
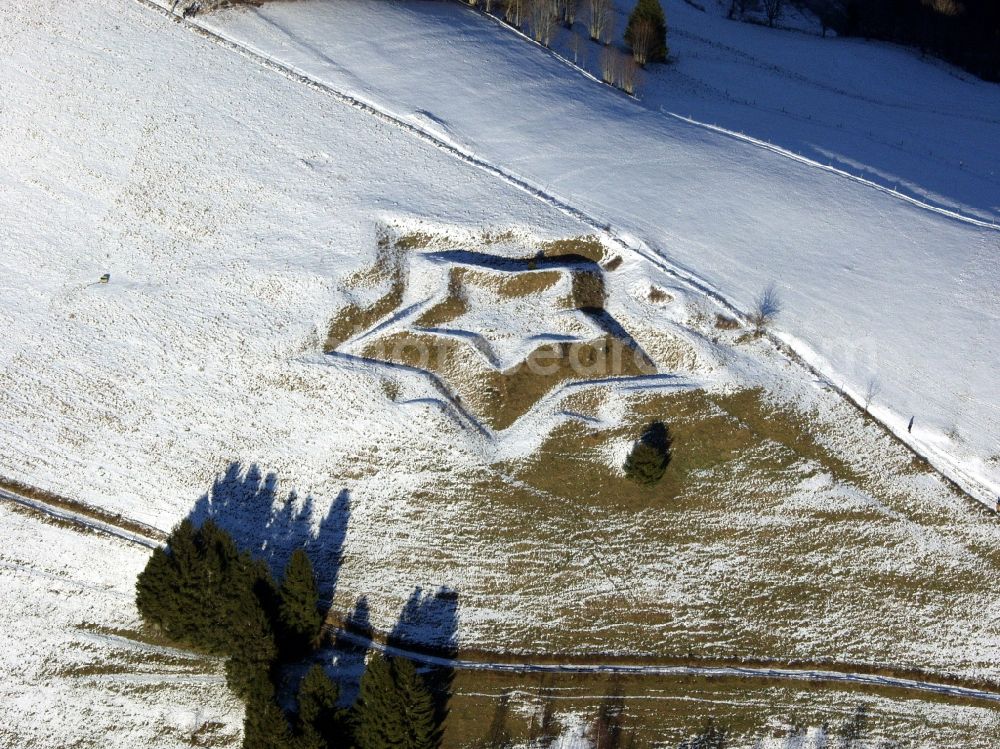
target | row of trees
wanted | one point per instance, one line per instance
(966, 32)
(772, 9)
(201, 591)
(645, 36)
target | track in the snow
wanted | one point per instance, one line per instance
(810, 675)
(577, 666)
(78, 518)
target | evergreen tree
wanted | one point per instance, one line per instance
(319, 719)
(650, 456)
(222, 589)
(647, 27)
(376, 716)
(155, 591)
(265, 725)
(248, 670)
(417, 704)
(200, 587)
(298, 611)
(395, 709)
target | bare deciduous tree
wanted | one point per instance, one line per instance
(772, 9)
(567, 12)
(514, 12)
(609, 61)
(542, 19)
(765, 309)
(643, 36)
(599, 23)
(872, 389)
(608, 31)
(628, 74)
(576, 46)
(619, 69)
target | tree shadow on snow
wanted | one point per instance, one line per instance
(247, 506)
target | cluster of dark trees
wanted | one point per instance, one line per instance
(966, 32)
(645, 36)
(201, 591)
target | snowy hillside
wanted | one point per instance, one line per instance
(284, 200)
(877, 287)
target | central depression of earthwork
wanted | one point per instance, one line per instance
(497, 328)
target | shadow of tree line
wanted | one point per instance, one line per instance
(246, 504)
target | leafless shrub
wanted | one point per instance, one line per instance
(577, 47)
(946, 7)
(766, 309)
(742, 7)
(872, 388)
(773, 9)
(609, 59)
(724, 322)
(599, 23)
(628, 74)
(542, 20)
(643, 35)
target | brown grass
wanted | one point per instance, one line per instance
(72, 505)
(589, 247)
(664, 711)
(414, 240)
(724, 322)
(354, 319)
(658, 295)
(614, 263)
(500, 398)
(514, 285)
(709, 432)
(588, 290)
(452, 306)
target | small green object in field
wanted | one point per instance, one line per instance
(105, 278)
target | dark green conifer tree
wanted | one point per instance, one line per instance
(647, 30)
(156, 594)
(650, 455)
(253, 650)
(318, 715)
(417, 703)
(265, 725)
(376, 716)
(298, 611)
(395, 709)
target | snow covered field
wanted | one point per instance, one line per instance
(231, 204)
(227, 207)
(876, 288)
(72, 673)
